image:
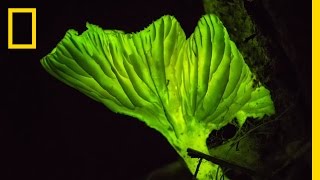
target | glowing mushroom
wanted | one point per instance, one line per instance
(183, 88)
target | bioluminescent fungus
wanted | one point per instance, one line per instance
(183, 88)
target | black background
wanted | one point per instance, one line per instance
(49, 130)
(22, 28)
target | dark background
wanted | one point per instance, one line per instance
(50, 131)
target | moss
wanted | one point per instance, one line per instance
(243, 31)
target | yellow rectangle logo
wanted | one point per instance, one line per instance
(10, 28)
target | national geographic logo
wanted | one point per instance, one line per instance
(11, 12)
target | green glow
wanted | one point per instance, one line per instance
(183, 88)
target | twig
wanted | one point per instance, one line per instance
(197, 169)
(196, 154)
